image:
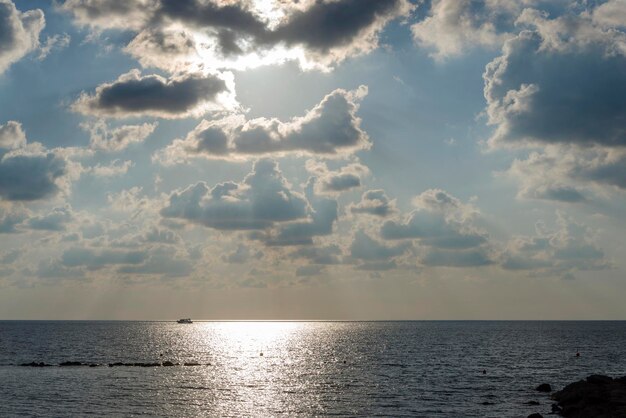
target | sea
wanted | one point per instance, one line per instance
(269, 369)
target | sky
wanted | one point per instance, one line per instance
(312, 159)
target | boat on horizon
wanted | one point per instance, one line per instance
(185, 321)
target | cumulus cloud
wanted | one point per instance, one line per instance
(169, 48)
(445, 229)
(12, 136)
(119, 138)
(322, 214)
(374, 255)
(453, 26)
(611, 14)
(262, 199)
(336, 181)
(19, 33)
(55, 220)
(562, 82)
(330, 31)
(569, 173)
(440, 220)
(179, 96)
(331, 128)
(564, 251)
(374, 202)
(107, 14)
(560, 86)
(237, 34)
(27, 171)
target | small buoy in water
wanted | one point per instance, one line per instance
(577, 354)
(484, 371)
(261, 354)
(344, 362)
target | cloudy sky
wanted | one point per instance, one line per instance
(312, 159)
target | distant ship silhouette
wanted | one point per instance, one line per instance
(185, 321)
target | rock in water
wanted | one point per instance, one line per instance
(596, 397)
(544, 387)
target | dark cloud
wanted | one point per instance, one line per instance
(326, 31)
(19, 33)
(330, 128)
(202, 14)
(27, 171)
(263, 199)
(342, 182)
(563, 82)
(30, 177)
(152, 95)
(328, 24)
(374, 202)
(321, 218)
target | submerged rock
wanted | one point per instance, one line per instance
(596, 397)
(544, 387)
(71, 363)
(35, 364)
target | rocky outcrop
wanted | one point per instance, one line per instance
(544, 387)
(595, 397)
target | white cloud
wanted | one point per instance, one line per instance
(19, 33)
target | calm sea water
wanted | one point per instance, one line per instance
(426, 369)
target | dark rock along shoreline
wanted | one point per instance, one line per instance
(595, 397)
